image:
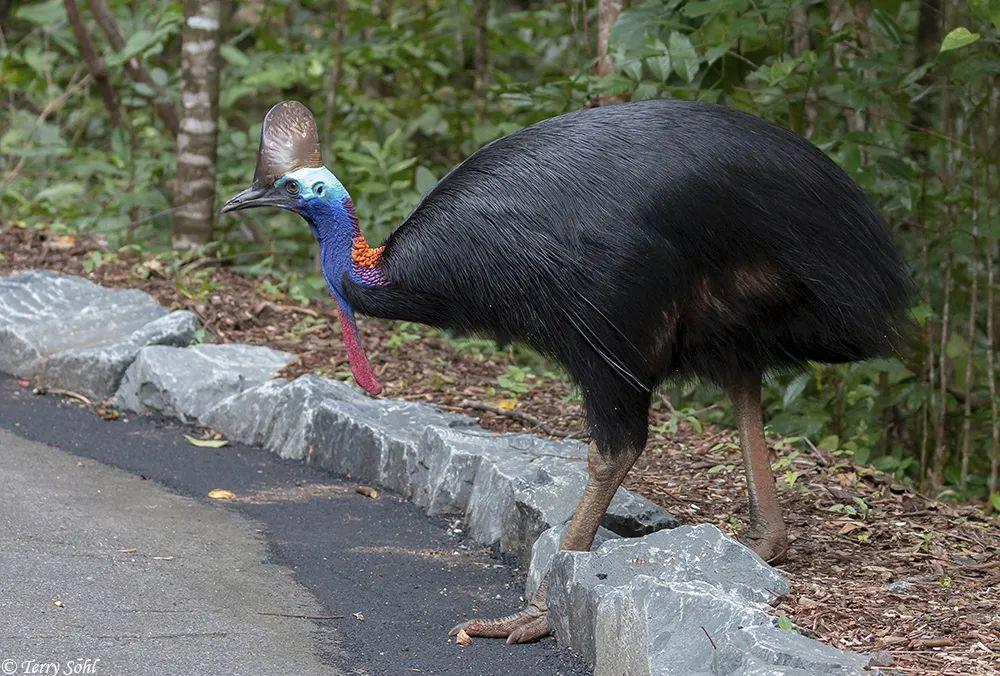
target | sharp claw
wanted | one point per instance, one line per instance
(530, 632)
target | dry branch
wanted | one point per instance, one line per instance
(164, 106)
(94, 61)
(528, 419)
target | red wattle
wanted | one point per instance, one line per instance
(356, 355)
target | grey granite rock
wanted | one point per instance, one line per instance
(379, 441)
(687, 600)
(523, 485)
(544, 551)
(248, 415)
(278, 415)
(186, 383)
(453, 457)
(97, 371)
(631, 515)
(74, 334)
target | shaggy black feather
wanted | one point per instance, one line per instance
(650, 241)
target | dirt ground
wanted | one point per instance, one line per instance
(875, 565)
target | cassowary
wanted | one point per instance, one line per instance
(632, 244)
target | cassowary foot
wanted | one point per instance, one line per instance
(770, 544)
(527, 626)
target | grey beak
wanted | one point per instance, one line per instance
(254, 197)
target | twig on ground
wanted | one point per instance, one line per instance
(527, 418)
(303, 617)
(68, 393)
(714, 647)
(281, 306)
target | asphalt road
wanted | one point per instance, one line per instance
(299, 575)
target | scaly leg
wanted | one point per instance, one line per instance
(604, 477)
(766, 534)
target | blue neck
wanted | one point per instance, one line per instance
(334, 224)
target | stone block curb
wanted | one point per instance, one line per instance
(67, 332)
(683, 601)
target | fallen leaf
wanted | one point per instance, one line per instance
(463, 638)
(806, 603)
(367, 491)
(894, 640)
(62, 242)
(507, 404)
(206, 443)
(849, 527)
(58, 604)
(221, 494)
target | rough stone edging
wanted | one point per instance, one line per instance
(676, 600)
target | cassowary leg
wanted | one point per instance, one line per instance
(766, 534)
(604, 477)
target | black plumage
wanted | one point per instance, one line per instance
(650, 241)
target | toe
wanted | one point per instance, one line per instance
(530, 632)
(774, 551)
(485, 628)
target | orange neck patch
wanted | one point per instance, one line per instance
(365, 256)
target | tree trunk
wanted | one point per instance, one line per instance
(607, 15)
(936, 477)
(844, 14)
(928, 43)
(94, 62)
(970, 337)
(5, 7)
(194, 197)
(992, 259)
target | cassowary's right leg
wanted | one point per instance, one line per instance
(604, 477)
(766, 534)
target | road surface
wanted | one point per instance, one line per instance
(110, 551)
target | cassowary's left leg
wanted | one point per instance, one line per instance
(604, 477)
(766, 534)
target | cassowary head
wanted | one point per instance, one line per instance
(290, 175)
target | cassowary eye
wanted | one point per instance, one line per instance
(318, 188)
(292, 187)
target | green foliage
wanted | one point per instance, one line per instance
(913, 124)
(515, 380)
(958, 38)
